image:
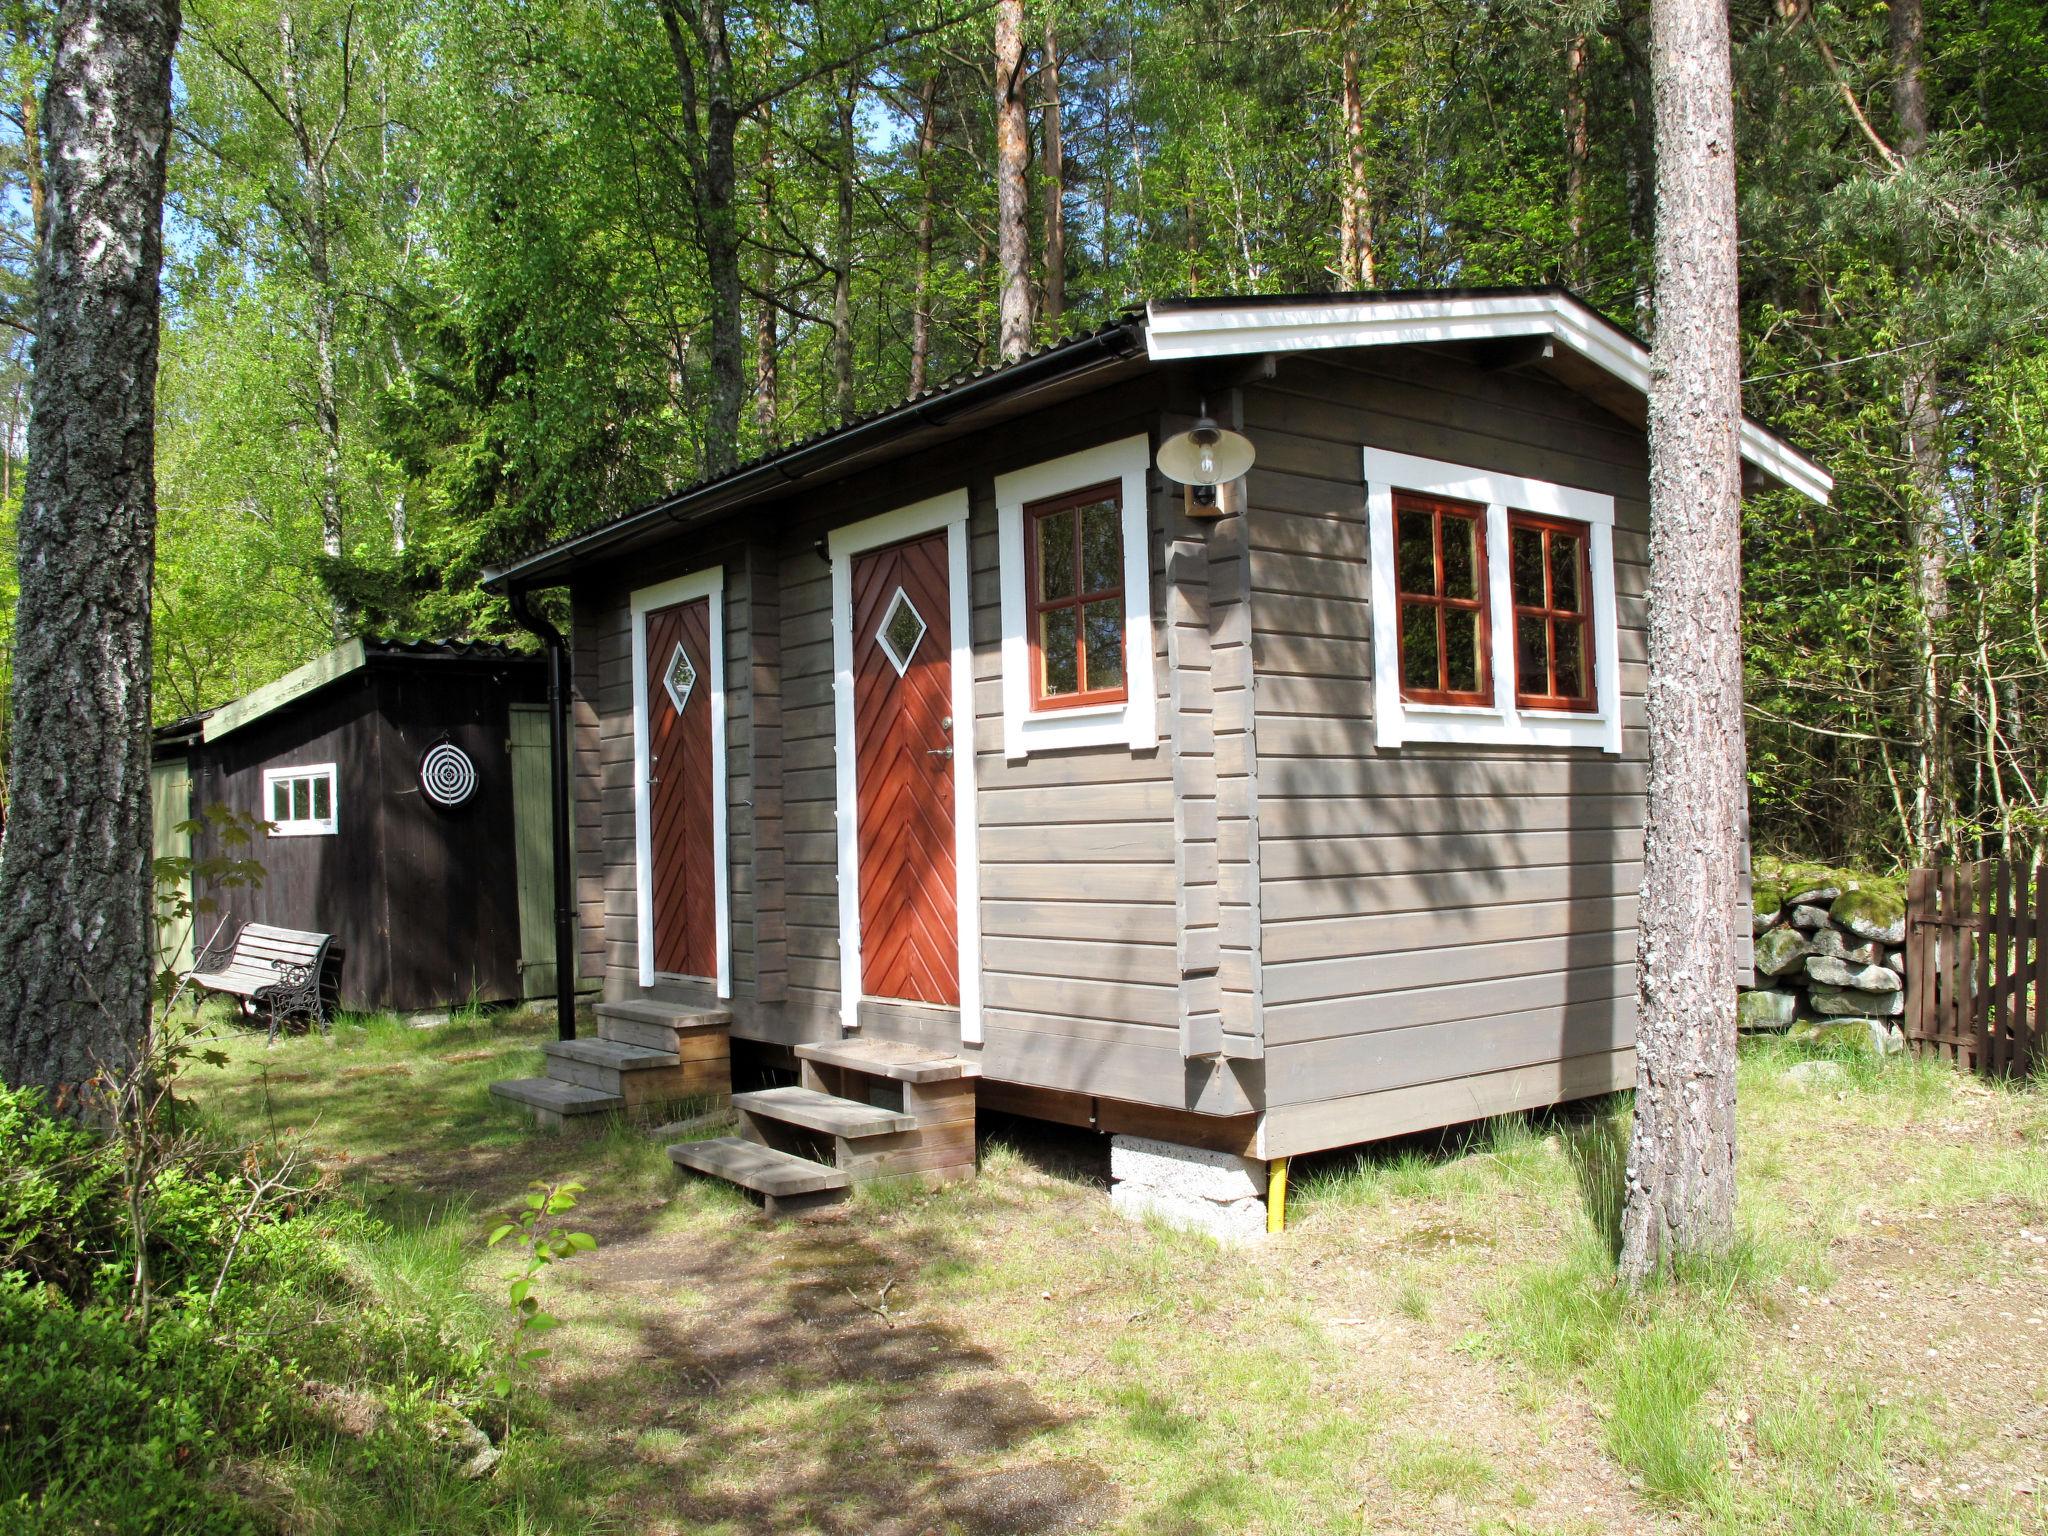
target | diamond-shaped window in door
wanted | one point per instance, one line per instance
(902, 628)
(679, 679)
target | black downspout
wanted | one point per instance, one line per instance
(558, 805)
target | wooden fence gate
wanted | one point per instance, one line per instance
(1977, 965)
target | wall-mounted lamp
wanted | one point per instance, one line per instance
(1204, 457)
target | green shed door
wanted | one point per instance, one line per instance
(170, 806)
(533, 838)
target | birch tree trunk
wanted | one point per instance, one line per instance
(842, 264)
(767, 338)
(1055, 184)
(1578, 148)
(1920, 413)
(1013, 240)
(1354, 237)
(921, 308)
(76, 947)
(1681, 1168)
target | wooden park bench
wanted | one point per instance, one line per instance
(280, 972)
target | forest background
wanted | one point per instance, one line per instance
(446, 280)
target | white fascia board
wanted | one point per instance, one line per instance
(1175, 335)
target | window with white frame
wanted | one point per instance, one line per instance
(1074, 556)
(1493, 607)
(299, 802)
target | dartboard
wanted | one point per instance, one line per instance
(447, 775)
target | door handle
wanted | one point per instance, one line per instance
(938, 751)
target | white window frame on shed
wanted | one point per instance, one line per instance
(947, 513)
(1398, 721)
(1133, 721)
(303, 826)
(708, 584)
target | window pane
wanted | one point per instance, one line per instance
(1102, 548)
(1461, 650)
(1525, 567)
(1105, 635)
(1418, 646)
(1532, 660)
(1570, 640)
(1056, 555)
(1461, 557)
(323, 798)
(302, 799)
(280, 799)
(1564, 572)
(1056, 643)
(1415, 554)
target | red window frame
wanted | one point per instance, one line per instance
(1553, 616)
(1439, 508)
(1036, 605)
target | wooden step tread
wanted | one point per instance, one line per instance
(897, 1060)
(551, 1093)
(675, 1015)
(816, 1111)
(615, 1054)
(753, 1166)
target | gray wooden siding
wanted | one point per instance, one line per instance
(1080, 968)
(1445, 931)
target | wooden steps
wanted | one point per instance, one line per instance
(783, 1180)
(867, 1111)
(822, 1112)
(646, 1058)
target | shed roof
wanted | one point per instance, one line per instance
(1594, 355)
(346, 659)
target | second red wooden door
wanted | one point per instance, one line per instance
(679, 747)
(904, 737)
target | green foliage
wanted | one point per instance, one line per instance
(1597, 1149)
(545, 1242)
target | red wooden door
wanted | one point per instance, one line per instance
(679, 750)
(903, 772)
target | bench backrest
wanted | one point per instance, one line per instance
(268, 946)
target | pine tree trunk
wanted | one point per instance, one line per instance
(1920, 413)
(767, 338)
(1578, 147)
(76, 946)
(1055, 185)
(1681, 1170)
(921, 307)
(1354, 238)
(1013, 240)
(842, 268)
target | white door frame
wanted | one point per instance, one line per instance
(709, 584)
(947, 511)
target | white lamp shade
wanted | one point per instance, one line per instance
(1207, 455)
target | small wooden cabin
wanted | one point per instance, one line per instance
(1310, 823)
(406, 790)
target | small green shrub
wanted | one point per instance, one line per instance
(1597, 1149)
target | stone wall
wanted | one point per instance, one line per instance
(1830, 958)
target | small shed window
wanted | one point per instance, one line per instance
(1075, 549)
(1494, 608)
(299, 802)
(1549, 572)
(1440, 571)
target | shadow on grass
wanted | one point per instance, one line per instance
(717, 1372)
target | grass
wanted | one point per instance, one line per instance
(1437, 1344)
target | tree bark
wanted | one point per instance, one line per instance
(842, 264)
(1013, 240)
(76, 946)
(767, 337)
(709, 129)
(1681, 1169)
(1920, 414)
(1578, 147)
(1055, 166)
(921, 308)
(1354, 241)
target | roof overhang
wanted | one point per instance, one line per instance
(1180, 330)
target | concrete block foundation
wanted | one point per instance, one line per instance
(1219, 1193)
